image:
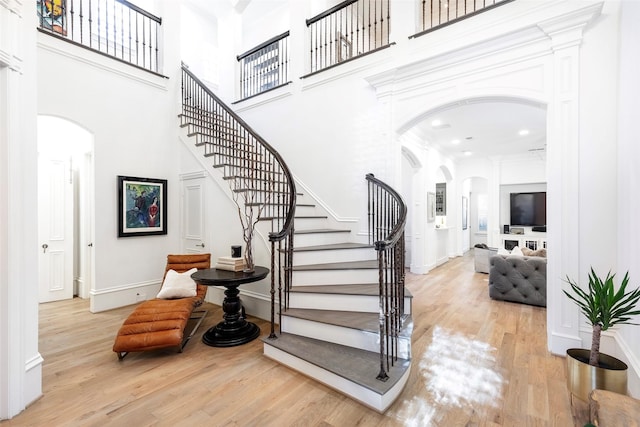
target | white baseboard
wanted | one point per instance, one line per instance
(133, 293)
(33, 379)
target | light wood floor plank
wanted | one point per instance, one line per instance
(476, 362)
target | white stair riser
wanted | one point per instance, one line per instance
(332, 277)
(333, 255)
(350, 337)
(361, 394)
(309, 223)
(339, 302)
(311, 239)
(306, 210)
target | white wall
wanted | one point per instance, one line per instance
(133, 119)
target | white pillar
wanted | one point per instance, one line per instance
(20, 362)
(563, 180)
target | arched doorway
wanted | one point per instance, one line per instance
(494, 139)
(65, 209)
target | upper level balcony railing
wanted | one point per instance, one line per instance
(264, 67)
(438, 13)
(115, 28)
(350, 29)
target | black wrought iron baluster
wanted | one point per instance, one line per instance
(129, 33)
(375, 24)
(387, 39)
(81, 18)
(150, 45)
(72, 19)
(157, 49)
(115, 37)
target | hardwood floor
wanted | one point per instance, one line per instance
(476, 362)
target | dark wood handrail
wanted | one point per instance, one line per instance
(141, 11)
(330, 11)
(398, 229)
(262, 45)
(288, 223)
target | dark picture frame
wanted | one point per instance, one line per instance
(142, 206)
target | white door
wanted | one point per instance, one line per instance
(55, 228)
(193, 207)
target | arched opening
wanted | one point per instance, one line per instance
(65, 209)
(472, 147)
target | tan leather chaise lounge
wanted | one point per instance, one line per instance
(160, 323)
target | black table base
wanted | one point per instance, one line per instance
(234, 328)
(222, 335)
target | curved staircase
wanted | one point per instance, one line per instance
(335, 323)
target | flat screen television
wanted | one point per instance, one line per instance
(529, 209)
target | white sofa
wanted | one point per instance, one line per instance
(481, 255)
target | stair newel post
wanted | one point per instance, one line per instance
(288, 282)
(382, 375)
(280, 272)
(272, 334)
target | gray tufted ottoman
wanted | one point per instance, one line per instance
(519, 279)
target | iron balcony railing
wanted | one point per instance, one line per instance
(265, 67)
(260, 181)
(352, 28)
(387, 216)
(115, 28)
(435, 14)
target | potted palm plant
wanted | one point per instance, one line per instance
(604, 307)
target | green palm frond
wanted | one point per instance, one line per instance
(604, 305)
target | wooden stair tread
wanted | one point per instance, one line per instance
(297, 217)
(321, 230)
(355, 365)
(350, 265)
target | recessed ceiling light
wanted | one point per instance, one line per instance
(524, 132)
(455, 141)
(467, 153)
(436, 123)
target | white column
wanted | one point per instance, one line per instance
(20, 362)
(563, 184)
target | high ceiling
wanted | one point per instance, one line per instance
(486, 128)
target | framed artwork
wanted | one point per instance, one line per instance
(465, 213)
(142, 206)
(52, 15)
(431, 207)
